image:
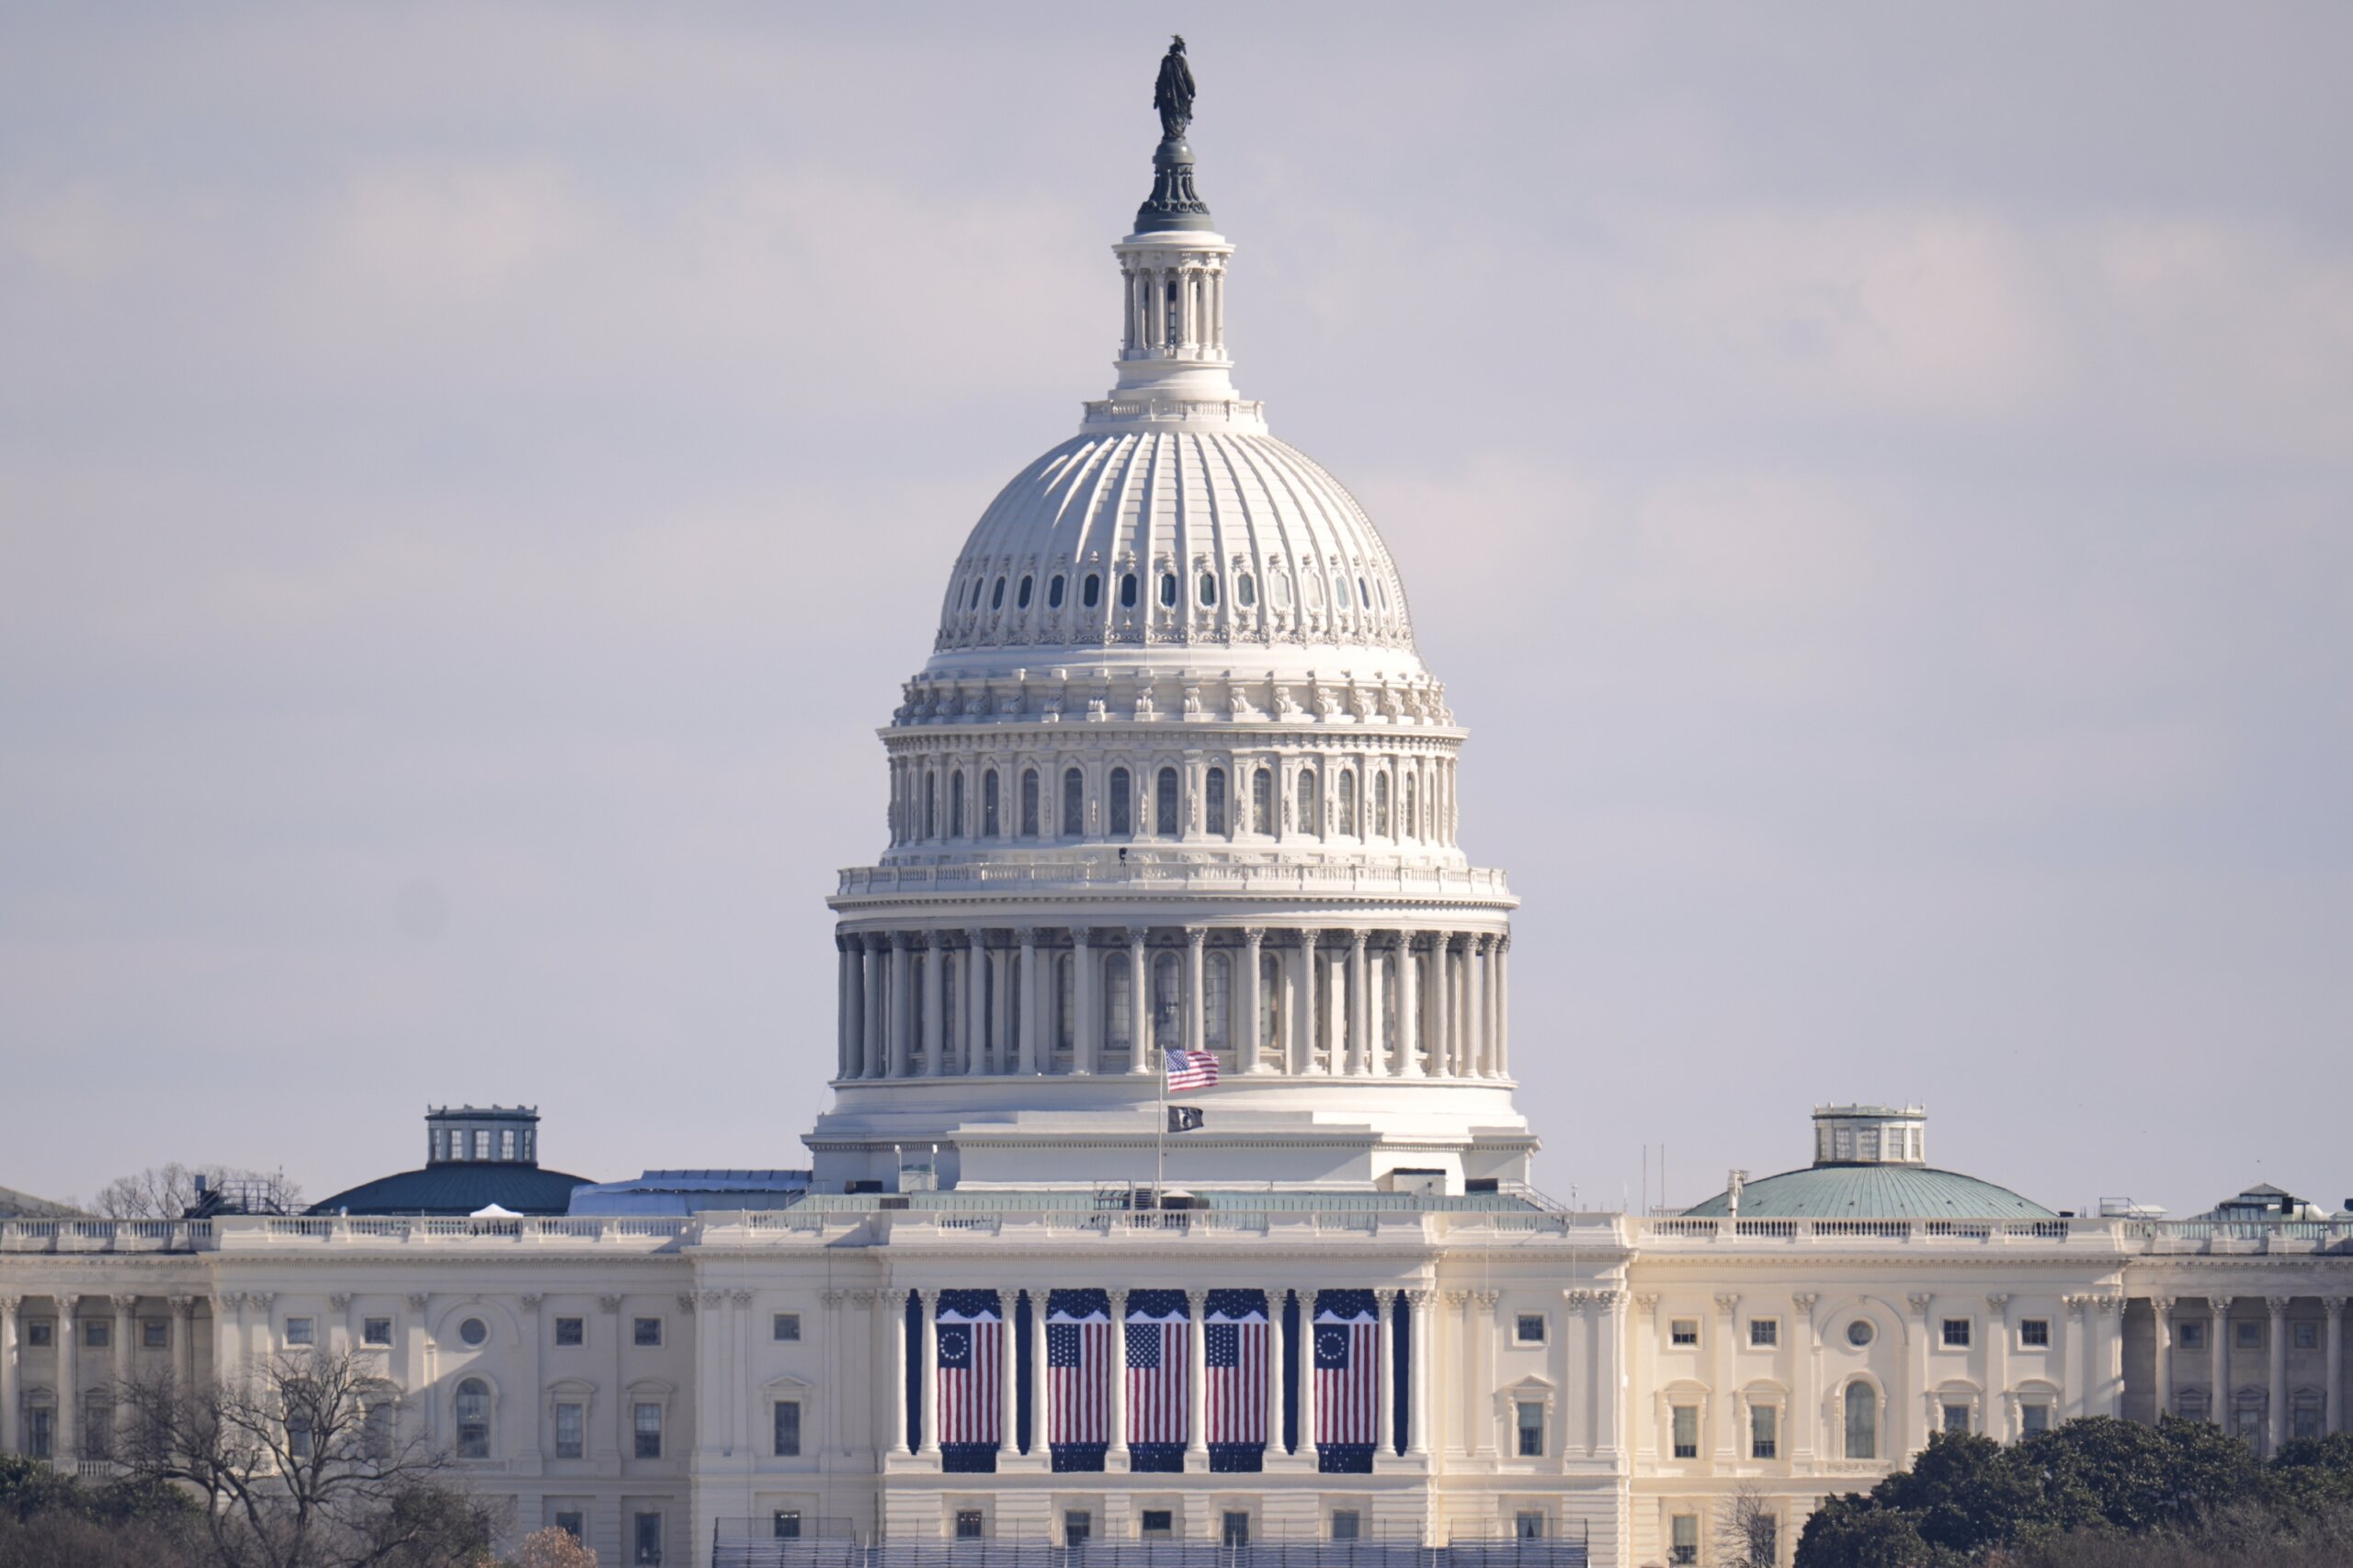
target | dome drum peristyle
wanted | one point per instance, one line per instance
(1175, 778)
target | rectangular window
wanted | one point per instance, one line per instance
(1528, 1525)
(298, 1437)
(375, 1331)
(97, 1332)
(2193, 1335)
(1347, 1524)
(1531, 1429)
(785, 1524)
(1233, 1527)
(1764, 1431)
(2305, 1421)
(155, 1334)
(788, 1429)
(39, 1334)
(571, 1431)
(1764, 1332)
(969, 1524)
(41, 1434)
(2034, 1332)
(2307, 1336)
(647, 1424)
(2247, 1336)
(1079, 1526)
(1683, 1539)
(1956, 1333)
(1159, 1524)
(571, 1524)
(2033, 1418)
(1682, 1331)
(301, 1331)
(785, 1327)
(646, 1538)
(570, 1332)
(1531, 1328)
(482, 1143)
(1956, 1418)
(645, 1331)
(1686, 1431)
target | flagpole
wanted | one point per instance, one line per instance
(1160, 1148)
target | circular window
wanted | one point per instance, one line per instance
(473, 1330)
(1858, 1333)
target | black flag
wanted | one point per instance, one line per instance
(1184, 1118)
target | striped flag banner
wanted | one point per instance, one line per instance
(1236, 1344)
(1078, 1353)
(1348, 1370)
(1189, 1069)
(971, 1368)
(1157, 1350)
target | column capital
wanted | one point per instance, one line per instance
(1804, 1300)
(533, 1302)
(1921, 1301)
(936, 940)
(833, 1297)
(739, 1298)
(686, 1302)
(1727, 1304)
(903, 941)
(1026, 935)
(123, 1304)
(2162, 1305)
(1137, 935)
(263, 1299)
(185, 1305)
(1197, 1301)
(1997, 1300)
(1648, 1303)
(864, 1298)
(8, 1304)
(341, 1300)
(1356, 939)
(418, 1301)
(2279, 1305)
(2221, 1305)
(1421, 1296)
(1488, 1297)
(1081, 935)
(233, 1300)
(1253, 934)
(2076, 1304)
(2332, 1305)
(1453, 1298)
(604, 1303)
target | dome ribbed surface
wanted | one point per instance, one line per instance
(1874, 1192)
(1228, 537)
(459, 1188)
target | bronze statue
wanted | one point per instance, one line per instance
(1172, 95)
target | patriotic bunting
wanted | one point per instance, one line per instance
(1346, 1342)
(1159, 1341)
(1236, 1344)
(1078, 1357)
(972, 1363)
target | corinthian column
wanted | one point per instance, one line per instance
(1503, 1006)
(1474, 986)
(935, 1004)
(1247, 1003)
(1359, 1006)
(1196, 989)
(1197, 1436)
(928, 1395)
(847, 998)
(1087, 1036)
(876, 962)
(976, 1000)
(2217, 1357)
(2333, 1394)
(1409, 1010)
(902, 1004)
(1117, 1460)
(1030, 991)
(2276, 1383)
(11, 1440)
(69, 1379)
(1441, 1004)
(1140, 1056)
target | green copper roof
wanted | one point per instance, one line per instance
(1874, 1192)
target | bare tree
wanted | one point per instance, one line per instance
(168, 1191)
(302, 1462)
(553, 1547)
(1749, 1533)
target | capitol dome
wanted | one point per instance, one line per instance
(1173, 784)
(1870, 1162)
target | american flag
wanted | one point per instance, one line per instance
(1078, 1348)
(1156, 1368)
(1347, 1374)
(1235, 1349)
(1190, 1068)
(971, 1362)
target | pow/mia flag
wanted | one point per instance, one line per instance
(1184, 1118)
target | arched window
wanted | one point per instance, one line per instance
(1262, 800)
(1271, 993)
(1208, 587)
(1245, 591)
(1313, 586)
(1364, 594)
(474, 1419)
(1028, 802)
(996, 596)
(1863, 1421)
(978, 585)
(1168, 590)
(1339, 592)
(1307, 813)
(1073, 803)
(1217, 1001)
(931, 805)
(1213, 801)
(1409, 823)
(1278, 587)
(1065, 1002)
(1167, 1004)
(1021, 599)
(1122, 812)
(1380, 805)
(989, 818)
(1054, 592)
(956, 804)
(1381, 590)
(1128, 591)
(1164, 806)
(1118, 988)
(1090, 592)
(1349, 803)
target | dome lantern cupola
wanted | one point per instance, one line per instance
(1869, 1136)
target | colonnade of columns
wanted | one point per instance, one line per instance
(1076, 1000)
(2270, 1400)
(1283, 1394)
(43, 1410)
(1193, 324)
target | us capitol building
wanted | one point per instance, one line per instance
(1175, 778)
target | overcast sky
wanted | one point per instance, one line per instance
(1877, 481)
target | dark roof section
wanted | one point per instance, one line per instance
(459, 1188)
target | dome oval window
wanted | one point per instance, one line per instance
(1339, 592)
(978, 584)
(1128, 591)
(1168, 590)
(1364, 594)
(1313, 586)
(1054, 592)
(1090, 593)
(1382, 588)
(473, 1330)
(996, 599)
(1858, 1333)
(1208, 587)
(1245, 591)
(1021, 596)
(1279, 588)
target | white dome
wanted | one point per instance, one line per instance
(1142, 535)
